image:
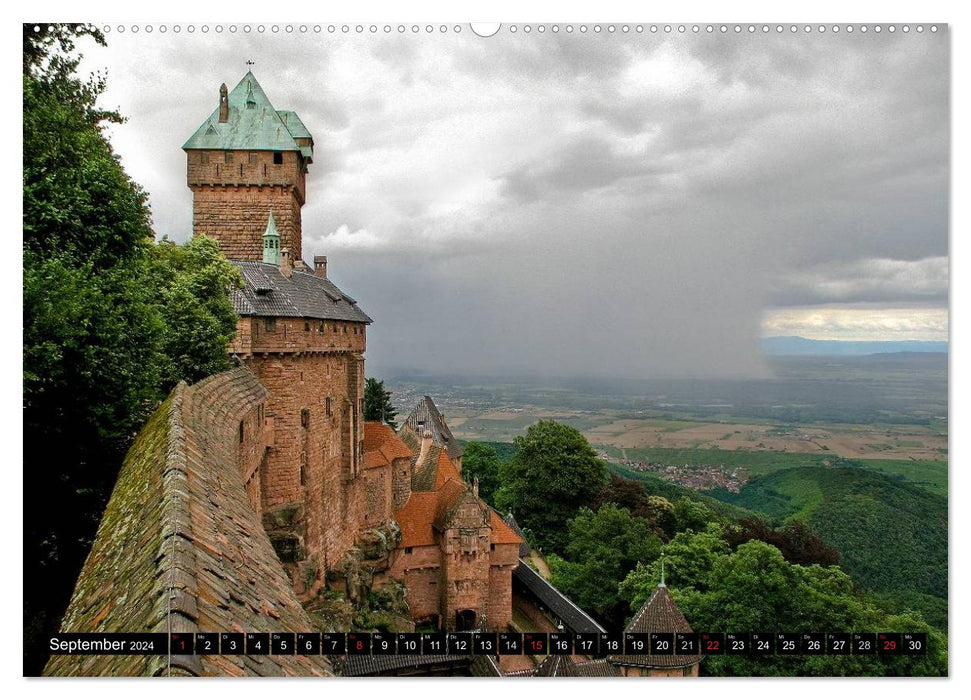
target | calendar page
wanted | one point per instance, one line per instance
(524, 349)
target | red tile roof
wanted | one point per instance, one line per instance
(502, 533)
(415, 519)
(381, 445)
(445, 471)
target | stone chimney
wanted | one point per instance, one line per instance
(286, 264)
(320, 266)
(426, 446)
(223, 104)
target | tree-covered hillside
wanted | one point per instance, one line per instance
(892, 535)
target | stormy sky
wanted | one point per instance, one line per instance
(600, 204)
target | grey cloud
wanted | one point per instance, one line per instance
(869, 280)
(636, 232)
(583, 166)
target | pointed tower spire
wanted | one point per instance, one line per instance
(662, 585)
(271, 242)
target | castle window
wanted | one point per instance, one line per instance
(240, 168)
(264, 169)
(277, 158)
(204, 157)
(228, 155)
(303, 476)
(241, 431)
(269, 324)
(321, 327)
(306, 325)
(254, 158)
(305, 417)
(408, 550)
(345, 328)
(492, 547)
(329, 406)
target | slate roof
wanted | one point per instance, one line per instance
(558, 604)
(180, 549)
(426, 413)
(267, 292)
(253, 124)
(659, 614)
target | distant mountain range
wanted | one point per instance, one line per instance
(795, 345)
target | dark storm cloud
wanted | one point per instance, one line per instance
(591, 204)
(881, 280)
(580, 167)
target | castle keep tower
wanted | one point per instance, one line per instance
(297, 332)
(244, 160)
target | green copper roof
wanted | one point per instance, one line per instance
(293, 123)
(253, 124)
(271, 242)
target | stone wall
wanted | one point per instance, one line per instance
(180, 547)
(376, 503)
(236, 216)
(255, 335)
(312, 498)
(401, 481)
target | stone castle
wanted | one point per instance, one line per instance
(257, 491)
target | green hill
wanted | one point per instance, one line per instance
(656, 486)
(893, 535)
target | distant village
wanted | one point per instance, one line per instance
(699, 477)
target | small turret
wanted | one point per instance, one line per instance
(271, 242)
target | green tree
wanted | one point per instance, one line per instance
(191, 281)
(755, 588)
(482, 462)
(688, 562)
(553, 474)
(111, 321)
(377, 403)
(603, 548)
(692, 515)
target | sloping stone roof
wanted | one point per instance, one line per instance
(253, 124)
(558, 604)
(268, 292)
(424, 475)
(426, 416)
(659, 614)
(180, 549)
